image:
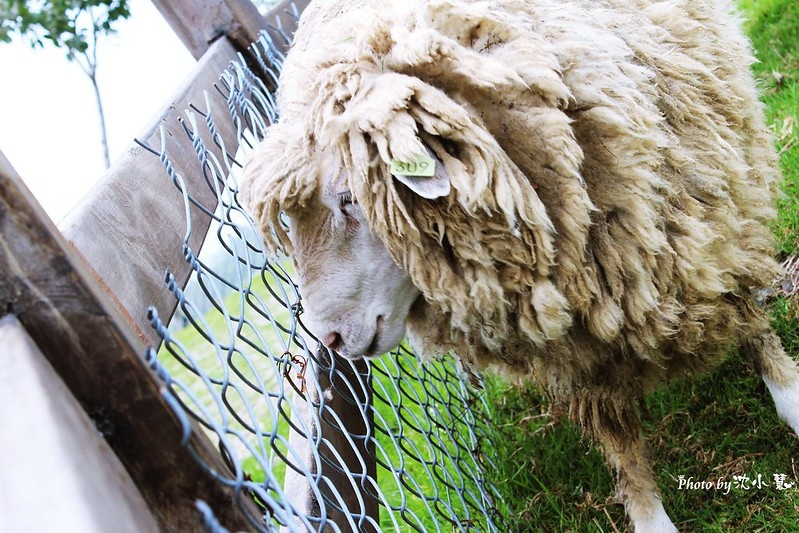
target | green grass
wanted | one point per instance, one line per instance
(425, 408)
(773, 27)
(549, 477)
(718, 426)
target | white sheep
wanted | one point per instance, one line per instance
(596, 218)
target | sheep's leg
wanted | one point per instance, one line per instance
(780, 374)
(608, 412)
(636, 483)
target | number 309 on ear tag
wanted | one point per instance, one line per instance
(421, 165)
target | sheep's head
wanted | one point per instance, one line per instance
(356, 298)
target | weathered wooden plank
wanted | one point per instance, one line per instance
(246, 22)
(130, 227)
(45, 431)
(87, 342)
(199, 23)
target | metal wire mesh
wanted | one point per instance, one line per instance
(318, 442)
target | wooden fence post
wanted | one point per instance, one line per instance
(199, 23)
(341, 395)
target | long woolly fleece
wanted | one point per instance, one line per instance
(611, 177)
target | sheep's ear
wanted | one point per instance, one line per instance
(426, 175)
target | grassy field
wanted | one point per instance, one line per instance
(720, 426)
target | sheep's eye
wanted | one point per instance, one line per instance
(345, 199)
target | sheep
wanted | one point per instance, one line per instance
(599, 182)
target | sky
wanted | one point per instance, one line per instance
(49, 129)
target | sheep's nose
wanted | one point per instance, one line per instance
(332, 340)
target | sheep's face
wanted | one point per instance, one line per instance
(356, 299)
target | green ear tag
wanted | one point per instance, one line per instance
(421, 165)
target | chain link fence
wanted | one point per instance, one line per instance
(318, 442)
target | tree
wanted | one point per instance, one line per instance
(74, 25)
